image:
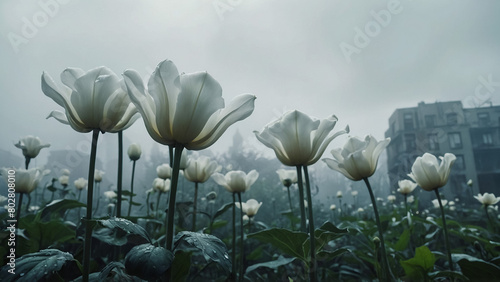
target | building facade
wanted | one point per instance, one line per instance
(472, 135)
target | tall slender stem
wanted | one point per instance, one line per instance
(406, 203)
(242, 247)
(313, 266)
(158, 202)
(173, 192)
(120, 175)
(301, 201)
(90, 193)
(445, 228)
(194, 205)
(98, 190)
(18, 215)
(289, 199)
(233, 254)
(131, 189)
(385, 265)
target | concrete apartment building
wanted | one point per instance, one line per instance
(472, 134)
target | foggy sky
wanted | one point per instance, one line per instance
(288, 53)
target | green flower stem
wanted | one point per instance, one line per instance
(18, 215)
(233, 254)
(173, 193)
(446, 240)
(301, 203)
(194, 205)
(386, 272)
(147, 203)
(290, 203)
(406, 203)
(97, 187)
(242, 247)
(487, 213)
(313, 264)
(158, 203)
(120, 175)
(171, 155)
(90, 193)
(29, 203)
(79, 209)
(131, 189)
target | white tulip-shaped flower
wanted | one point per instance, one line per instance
(184, 109)
(250, 208)
(406, 186)
(200, 170)
(110, 195)
(80, 183)
(287, 177)
(429, 173)
(435, 203)
(236, 181)
(134, 151)
(64, 180)
(357, 159)
(185, 160)
(164, 171)
(333, 207)
(25, 180)
(95, 99)
(31, 146)
(161, 185)
(65, 171)
(487, 199)
(98, 174)
(391, 198)
(298, 139)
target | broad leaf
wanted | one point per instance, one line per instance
(274, 264)
(289, 242)
(181, 265)
(40, 266)
(222, 210)
(476, 269)
(119, 231)
(61, 205)
(420, 265)
(211, 247)
(403, 241)
(148, 262)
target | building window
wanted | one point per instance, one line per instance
(408, 121)
(410, 142)
(430, 120)
(487, 138)
(451, 118)
(459, 162)
(455, 140)
(433, 141)
(483, 119)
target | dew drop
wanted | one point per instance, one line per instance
(22, 274)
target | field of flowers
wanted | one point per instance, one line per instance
(53, 229)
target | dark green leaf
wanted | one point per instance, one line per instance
(274, 264)
(287, 241)
(476, 269)
(454, 275)
(327, 255)
(181, 265)
(119, 231)
(59, 206)
(127, 193)
(222, 210)
(403, 241)
(211, 247)
(40, 266)
(148, 262)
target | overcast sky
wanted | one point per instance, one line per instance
(359, 60)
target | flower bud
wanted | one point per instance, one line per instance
(134, 151)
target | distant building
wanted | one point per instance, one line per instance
(473, 135)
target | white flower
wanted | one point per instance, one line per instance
(333, 207)
(435, 202)
(25, 180)
(298, 139)
(410, 199)
(354, 193)
(162, 185)
(339, 194)
(250, 208)
(406, 186)
(429, 174)
(391, 198)
(134, 151)
(110, 195)
(98, 175)
(184, 109)
(164, 171)
(236, 181)
(357, 159)
(360, 210)
(31, 146)
(80, 183)
(65, 172)
(92, 100)
(487, 199)
(287, 176)
(201, 169)
(64, 180)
